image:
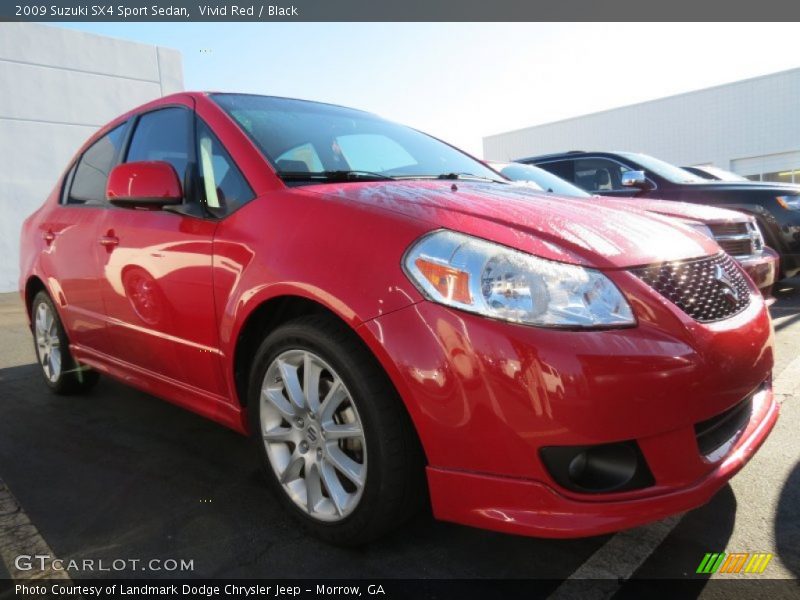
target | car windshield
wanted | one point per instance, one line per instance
(544, 179)
(311, 142)
(663, 169)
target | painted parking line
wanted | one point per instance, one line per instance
(18, 537)
(604, 572)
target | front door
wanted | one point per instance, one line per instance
(157, 270)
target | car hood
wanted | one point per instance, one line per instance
(752, 186)
(566, 229)
(675, 209)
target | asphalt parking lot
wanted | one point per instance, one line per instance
(119, 474)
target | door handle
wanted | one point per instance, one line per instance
(109, 241)
(48, 236)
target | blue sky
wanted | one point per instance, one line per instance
(463, 81)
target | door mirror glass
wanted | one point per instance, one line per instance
(146, 184)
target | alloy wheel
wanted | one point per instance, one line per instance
(313, 435)
(48, 343)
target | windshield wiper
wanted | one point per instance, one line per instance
(333, 176)
(468, 176)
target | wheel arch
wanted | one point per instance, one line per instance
(33, 286)
(273, 312)
(264, 318)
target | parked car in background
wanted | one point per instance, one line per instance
(715, 173)
(776, 207)
(735, 232)
(392, 322)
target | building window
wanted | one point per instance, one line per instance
(790, 176)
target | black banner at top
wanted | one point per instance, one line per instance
(398, 10)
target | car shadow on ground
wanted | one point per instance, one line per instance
(116, 473)
(787, 302)
(787, 522)
(671, 571)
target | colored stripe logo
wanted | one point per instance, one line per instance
(736, 562)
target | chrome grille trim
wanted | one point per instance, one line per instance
(707, 289)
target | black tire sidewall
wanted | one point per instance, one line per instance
(299, 336)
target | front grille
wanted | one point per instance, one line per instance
(737, 247)
(715, 436)
(706, 289)
(729, 228)
(737, 239)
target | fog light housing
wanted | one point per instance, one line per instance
(602, 468)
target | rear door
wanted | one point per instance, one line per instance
(71, 234)
(157, 267)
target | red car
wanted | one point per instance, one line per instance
(392, 323)
(736, 233)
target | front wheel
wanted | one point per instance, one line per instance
(339, 448)
(62, 373)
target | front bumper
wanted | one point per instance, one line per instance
(763, 270)
(533, 508)
(485, 396)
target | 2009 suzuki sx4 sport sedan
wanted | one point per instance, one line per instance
(393, 325)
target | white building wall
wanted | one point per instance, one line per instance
(57, 86)
(737, 126)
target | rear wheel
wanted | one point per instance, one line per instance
(60, 370)
(338, 447)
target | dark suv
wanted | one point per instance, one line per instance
(775, 206)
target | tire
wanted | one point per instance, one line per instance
(303, 442)
(60, 371)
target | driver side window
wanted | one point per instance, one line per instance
(164, 135)
(599, 174)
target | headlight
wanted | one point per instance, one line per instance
(489, 279)
(702, 228)
(789, 202)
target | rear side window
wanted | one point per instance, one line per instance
(563, 168)
(165, 135)
(221, 183)
(91, 173)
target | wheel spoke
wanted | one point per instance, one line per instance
(346, 465)
(334, 431)
(55, 363)
(291, 382)
(278, 434)
(311, 373)
(276, 398)
(313, 488)
(292, 470)
(45, 360)
(41, 319)
(333, 399)
(336, 491)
